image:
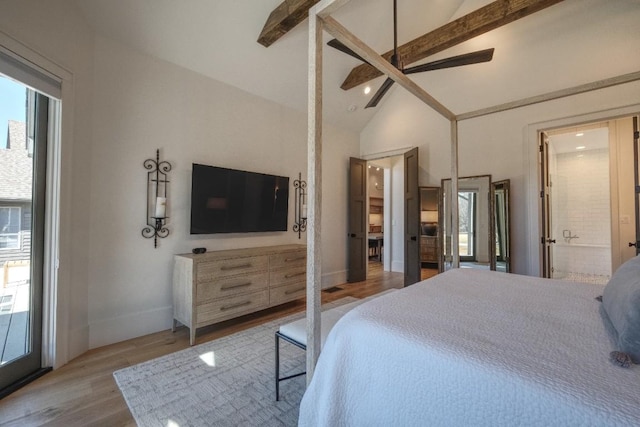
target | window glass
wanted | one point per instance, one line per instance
(9, 228)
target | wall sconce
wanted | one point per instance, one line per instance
(156, 198)
(300, 214)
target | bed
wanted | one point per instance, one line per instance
(473, 347)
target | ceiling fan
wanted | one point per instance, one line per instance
(455, 61)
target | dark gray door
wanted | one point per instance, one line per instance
(357, 232)
(547, 240)
(411, 218)
(636, 155)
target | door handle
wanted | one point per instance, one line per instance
(414, 238)
(352, 235)
(632, 245)
(551, 240)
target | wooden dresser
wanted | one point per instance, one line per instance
(221, 285)
(429, 249)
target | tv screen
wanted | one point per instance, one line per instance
(234, 201)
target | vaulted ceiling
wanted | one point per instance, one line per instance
(567, 44)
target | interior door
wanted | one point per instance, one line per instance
(411, 219)
(22, 221)
(636, 171)
(357, 232)
(547, 239)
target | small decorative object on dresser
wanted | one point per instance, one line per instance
(220, 285)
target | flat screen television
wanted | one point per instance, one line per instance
(234, 201)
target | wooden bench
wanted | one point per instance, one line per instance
(296, 333)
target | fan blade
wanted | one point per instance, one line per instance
(336, 44)
(380, 93)
(455, 61)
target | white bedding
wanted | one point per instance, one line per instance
(471, 347)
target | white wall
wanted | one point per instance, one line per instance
(113, 284)
(499, 144)
(140, 104)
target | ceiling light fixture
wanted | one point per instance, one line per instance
(367, 90)
(580, 147)
(580, 134)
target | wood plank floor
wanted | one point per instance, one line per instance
(84, 393)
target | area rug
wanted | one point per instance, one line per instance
(225, 382)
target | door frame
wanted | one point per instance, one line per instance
(400, 152)
(532, 204)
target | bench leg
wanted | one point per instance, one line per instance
(277, 367)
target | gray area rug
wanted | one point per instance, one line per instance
(225, 382)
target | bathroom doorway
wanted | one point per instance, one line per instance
(588, 192)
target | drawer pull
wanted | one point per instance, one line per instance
(289, 276)
(232, 306)
(294, 259)
(239, 285)
(293, 291)
(235, 267)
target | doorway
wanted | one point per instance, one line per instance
(378, 173)
(588, 198)
(391, 222)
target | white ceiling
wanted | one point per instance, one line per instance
(559, 47)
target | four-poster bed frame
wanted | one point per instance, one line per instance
(320, 20)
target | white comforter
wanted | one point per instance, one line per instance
(472, 348)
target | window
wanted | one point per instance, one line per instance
(9, 228)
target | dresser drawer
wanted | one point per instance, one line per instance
(281, 277)
(231, 286)
(209, 271)
(227, 308)
(288, 259)
(286, 293)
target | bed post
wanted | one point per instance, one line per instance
(455, 219)
(314, 175)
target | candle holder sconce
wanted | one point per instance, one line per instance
(156, 199)
(300, 214)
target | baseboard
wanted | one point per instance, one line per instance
(334, 279)
(77, 345)
(117, 329)
(397, 266)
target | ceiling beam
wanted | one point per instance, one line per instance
(283, 19)
(487, 18)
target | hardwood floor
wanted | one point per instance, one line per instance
(84, 393)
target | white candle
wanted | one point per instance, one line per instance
(304, 211)
(161, 207)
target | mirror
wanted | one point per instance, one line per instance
(502, 225)
(429, 225)
(475, 225)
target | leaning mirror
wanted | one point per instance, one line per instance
(502, 252)
(475, 228)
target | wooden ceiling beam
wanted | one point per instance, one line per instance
(283, 19)
(487, 18)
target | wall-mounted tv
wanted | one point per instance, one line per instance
(234, 201)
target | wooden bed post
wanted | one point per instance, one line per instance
(314, 200)
(455, 218)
